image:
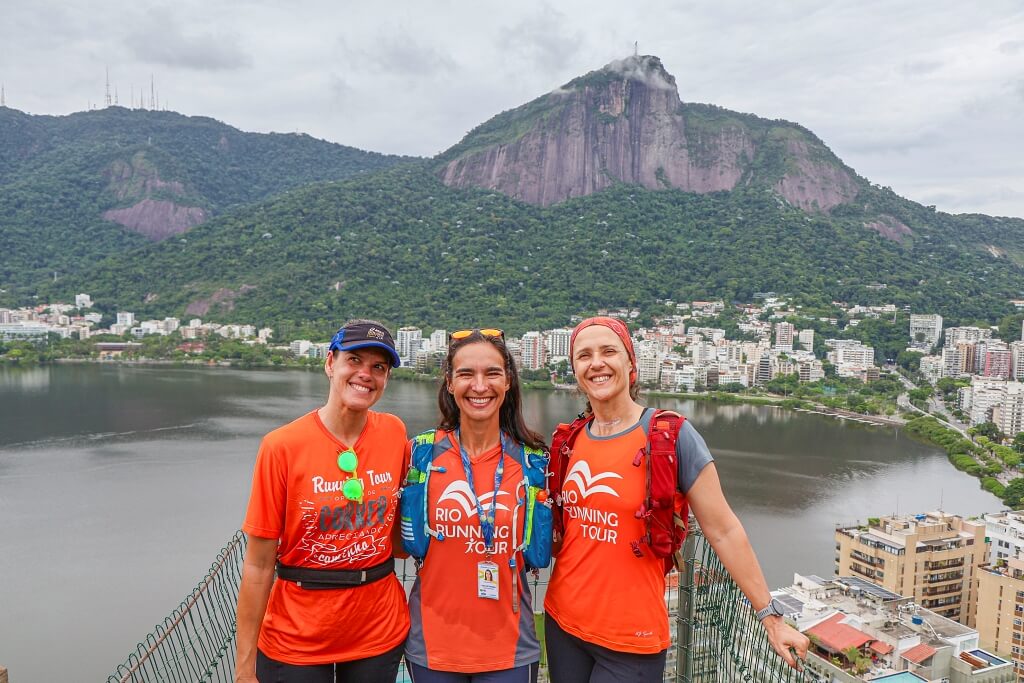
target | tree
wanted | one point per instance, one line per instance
(989, 430)
(1013, 494)
(1018, 442)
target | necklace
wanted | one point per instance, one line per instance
(609, 423)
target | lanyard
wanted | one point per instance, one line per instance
(486, 521)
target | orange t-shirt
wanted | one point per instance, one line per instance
(600, 591)
(296, 497)
(452, 628)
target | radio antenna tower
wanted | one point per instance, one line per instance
(152, 93)
(106, 95)
(115, 96)
(3, 99)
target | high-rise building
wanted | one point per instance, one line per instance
(998, 361)
(1000, 607)
(925, 329)
(532, 349)
(408, 343)
(648, 362)
(125, 318)
(931, 557)
(970, 335)
(784, 333)
(806, 339)
(1008, 414)
(558, 342)
(439, 340)
(1006, 532)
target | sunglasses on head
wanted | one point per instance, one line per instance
(487, 332)
(352, 488)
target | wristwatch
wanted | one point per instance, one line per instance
(772, 609)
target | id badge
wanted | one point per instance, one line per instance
(487, 580)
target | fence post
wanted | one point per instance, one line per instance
(684, 611)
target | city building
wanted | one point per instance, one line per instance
(1005, 531)
(925, 330)
(806, 339)
(83, 301)
(998, 361)
(1008, 415)
(408, 342)
(784, 333)
(125, 319)
(932, 368)
(648, 361)
(558, 343)
(967, 335)
(862, 632)
(929, 557)
(532, 350)
(439, 340)
(1001, 610)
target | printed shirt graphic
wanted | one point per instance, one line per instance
(296, 497)
(600, 591)
(452, 628)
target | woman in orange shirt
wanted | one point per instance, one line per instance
(471, 609)
(606, 618)
(322, 509)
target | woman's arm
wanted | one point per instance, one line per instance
(725, 533)
(253, 594)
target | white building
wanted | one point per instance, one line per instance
(300, 347)
(83, 301)
(968, 335)
(985, 394)
(648, 361)
(1009, 414)
(932, 367)
(784, 333)
(1006, 531)
(439, 340)
(925, 330)
(125, 319)
(532, 350)
(408, 343)
(558, 342)
(806, 339)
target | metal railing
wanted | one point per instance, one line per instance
(717, 638)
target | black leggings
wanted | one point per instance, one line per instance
(571, 660)
(382, 668)
(526, 673)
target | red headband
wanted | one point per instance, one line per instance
(620, 330)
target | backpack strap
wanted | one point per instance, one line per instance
(426, 447)
(662, 503)
(562, 442)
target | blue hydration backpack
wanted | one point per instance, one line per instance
(415, 516)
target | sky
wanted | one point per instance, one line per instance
(926, 97)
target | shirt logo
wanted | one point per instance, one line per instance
(459, 492)
(586, 482)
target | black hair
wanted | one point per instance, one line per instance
(510, 414)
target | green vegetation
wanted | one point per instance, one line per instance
(402, 247)
(56, 180)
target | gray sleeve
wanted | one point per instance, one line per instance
(693, 455)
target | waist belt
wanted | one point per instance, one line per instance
(324, 579)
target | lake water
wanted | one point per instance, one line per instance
(118, 485)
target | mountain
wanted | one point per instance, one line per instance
(410, 245)
(625, 123)
(76, 188)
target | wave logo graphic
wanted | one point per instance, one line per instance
(586, 482)
(459, 492)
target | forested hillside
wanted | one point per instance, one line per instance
(150, 173)
(401, 246)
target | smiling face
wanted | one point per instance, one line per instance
(601, 364)
(478, 382)
(357, 377)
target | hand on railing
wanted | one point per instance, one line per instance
(786, 640)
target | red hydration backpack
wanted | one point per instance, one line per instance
(664, 509)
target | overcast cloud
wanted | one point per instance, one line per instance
(925, 97)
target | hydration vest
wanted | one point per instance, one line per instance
(532, 497)
(664, 509)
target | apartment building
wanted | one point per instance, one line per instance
(784, 333)
(925, 330)
(862, 632)
(931, 558)
(1000, 610)
(1005, 531)
(969, 335)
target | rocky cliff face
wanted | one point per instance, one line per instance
(625, 123)
(158, 210)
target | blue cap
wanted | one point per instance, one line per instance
(366, 335)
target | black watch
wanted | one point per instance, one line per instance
(773, 609)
